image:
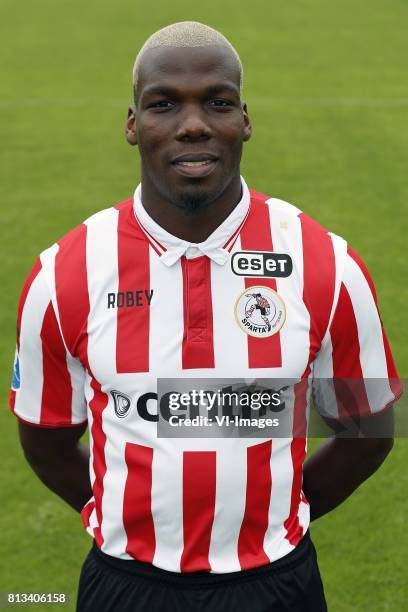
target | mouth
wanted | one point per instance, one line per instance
(198, 165)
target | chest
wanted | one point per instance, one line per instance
(196, 318)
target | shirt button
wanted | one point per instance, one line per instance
(192, 252)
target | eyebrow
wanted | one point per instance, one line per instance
(167, 90)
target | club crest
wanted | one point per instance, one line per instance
(260, 311)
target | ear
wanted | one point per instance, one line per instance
(247, 123)
(130, 129)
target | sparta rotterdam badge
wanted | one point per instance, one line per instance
(260, 311)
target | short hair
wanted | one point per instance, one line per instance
(185, 34)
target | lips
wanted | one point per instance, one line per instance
(195, 164)
(194, 157)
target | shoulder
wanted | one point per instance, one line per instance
(310, 228)
(103, 220)
(275, 204)
(288, 209)
(65, 261)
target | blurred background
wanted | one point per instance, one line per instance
(327, 92)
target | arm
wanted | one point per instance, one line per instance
(356, 358)
(341, 464)
(338, 467)
(60, 460)
(48, 396)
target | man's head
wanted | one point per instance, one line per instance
(188, 119)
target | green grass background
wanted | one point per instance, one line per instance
(327, 91)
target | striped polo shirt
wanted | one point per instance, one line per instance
(118, 303)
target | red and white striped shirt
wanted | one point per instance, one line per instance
(119, 302)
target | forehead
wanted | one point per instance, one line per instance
(179, 65)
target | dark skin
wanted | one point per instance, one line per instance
(60, 460)
(188, 104)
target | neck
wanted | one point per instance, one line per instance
(195, 226)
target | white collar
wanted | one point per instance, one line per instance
(216, 246)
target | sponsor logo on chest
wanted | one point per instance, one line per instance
(130, 299)
(261, 263)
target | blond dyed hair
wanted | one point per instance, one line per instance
(185, 34)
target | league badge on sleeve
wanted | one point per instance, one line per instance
(15, 383)
(260, 311)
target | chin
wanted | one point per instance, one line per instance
(194, 202)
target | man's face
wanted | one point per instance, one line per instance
(189, 124)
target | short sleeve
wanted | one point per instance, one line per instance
(354, 372)
(48, 383)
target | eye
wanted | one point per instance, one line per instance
(220, 103)
(162, 104)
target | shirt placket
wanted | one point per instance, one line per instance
(198, 348)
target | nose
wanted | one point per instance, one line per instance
(193, 125)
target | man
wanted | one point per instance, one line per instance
(156, 288)
(262, 305)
